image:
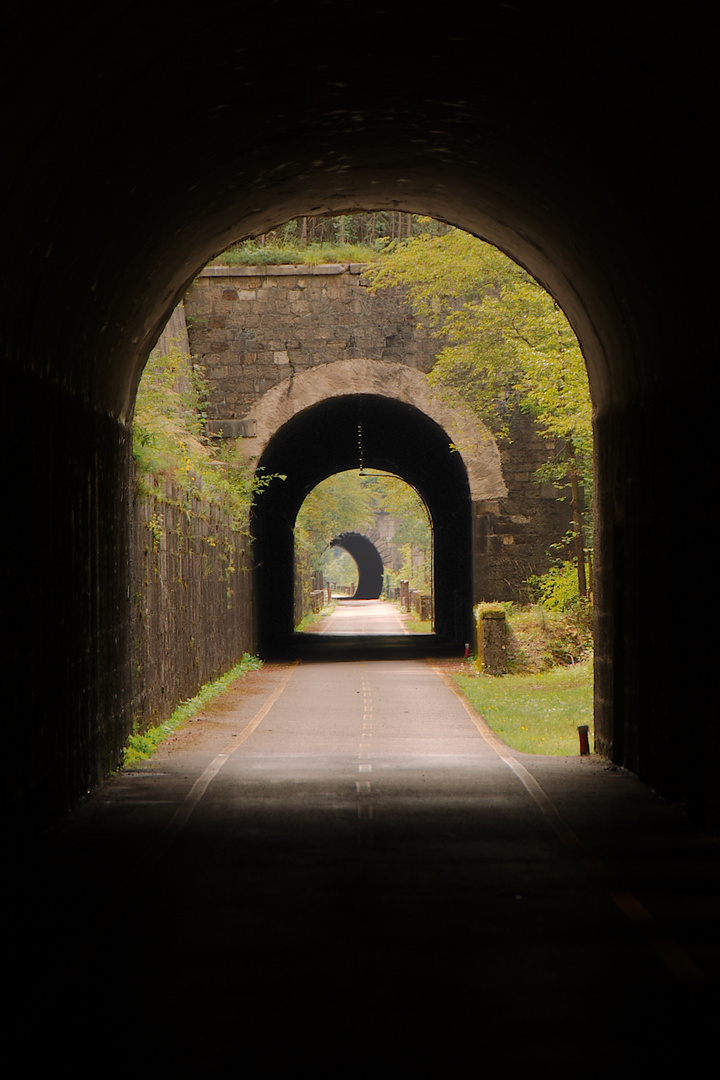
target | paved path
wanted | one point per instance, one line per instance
(339, 868)
(361, 617)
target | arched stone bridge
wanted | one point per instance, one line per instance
(277, 340)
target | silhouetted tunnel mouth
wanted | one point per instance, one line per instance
(368, 561)
(324, 647)
(399, 439)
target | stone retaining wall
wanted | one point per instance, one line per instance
(191, 600)
(253, 326)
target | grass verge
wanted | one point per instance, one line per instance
(535, 713)
(418, 626)
(314, 618)
(142, 744)
(412, 623)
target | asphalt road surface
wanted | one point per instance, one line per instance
(361, 617)
(337, 867)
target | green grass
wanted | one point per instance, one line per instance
(413, 623)
(418, 626)
(538, 713)
(314, 617)
(142, 744)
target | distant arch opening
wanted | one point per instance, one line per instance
(363, 535)
(397, 438)
(368, 561)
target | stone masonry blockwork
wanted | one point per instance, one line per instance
(191, 600)
(253, 328)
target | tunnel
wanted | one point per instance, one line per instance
(142, 146)
(368, 561)
(397, 438)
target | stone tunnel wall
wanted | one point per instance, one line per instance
(191, 599)
(252, 327)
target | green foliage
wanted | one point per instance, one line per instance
(348, 502)
(250, 253)
(558, 588)
(314, 618)
(491, 607)
(170, 440)
(559, 595)
(339, 567)
(339, 504)
(329, 238)
(539, 639)
(536, 714)
(413, 531)
(507, 339)
(415, 569)
(142, 744)
(414, 625)
(508, 344)
(393, 496)
(168, 419)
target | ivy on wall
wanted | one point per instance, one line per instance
(171, 442)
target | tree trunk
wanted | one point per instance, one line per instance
(577, 518)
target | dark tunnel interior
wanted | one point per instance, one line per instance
(397, 438)
(368, 561)
(141, 146)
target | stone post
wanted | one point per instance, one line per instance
(492, 639)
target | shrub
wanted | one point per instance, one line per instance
(558, 588)
(540, 639)
(170, 440)
(249, 253)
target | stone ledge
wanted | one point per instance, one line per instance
(233, 429)
(295, 270)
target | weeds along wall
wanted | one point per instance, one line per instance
(191, 599)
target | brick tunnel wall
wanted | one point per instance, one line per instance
(191, 600)
(251, 327)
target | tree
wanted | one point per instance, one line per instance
(508, 342)
(330, 234)
(339, 504)
(413, 532)
(349, 502)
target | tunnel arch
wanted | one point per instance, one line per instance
(368, 561)
(589, 167)
(388, 379)
(397, 438)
